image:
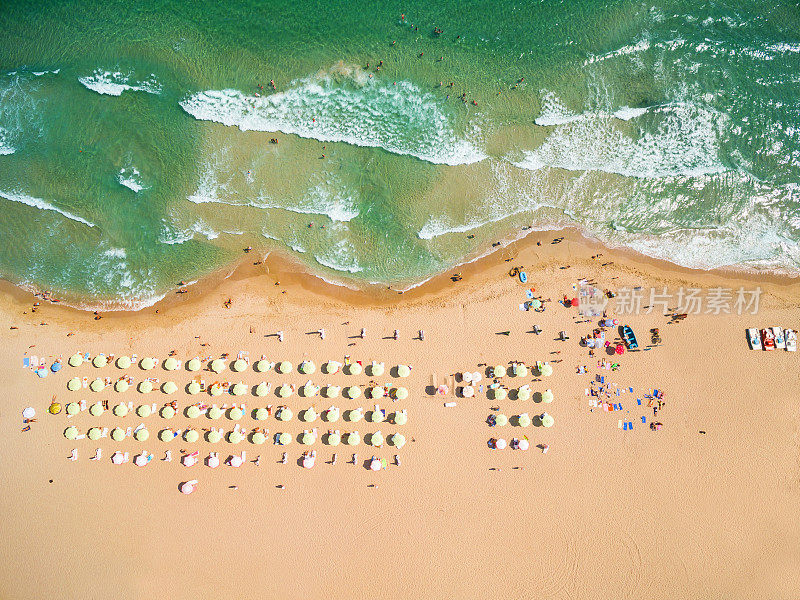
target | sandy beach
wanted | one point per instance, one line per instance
(704, 507)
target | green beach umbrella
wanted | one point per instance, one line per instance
(71, 432)
(217, 365)
(353, 369)
(97, 385)
(307, 367)
(235, 413)
(284, 414)
(74, 384)
(523, 393)
(169, 387)
(499, 393)
(536, 303)
(400, 393)
(258, 438)
(96, 409)
(76, 360)
(547, 420)
(307, 438)
(101, 360)
(355, 415)
(262, 389)
(171, 364)
(375, 416)
(403, 370)
(523, 420)
(546, 370)
(331, 415)
(167, 412)
(166, 435)
(239, 365)
(144, 410)
(309, 390)
(193, 411)
(352, 392)
(284, 391)
(500, 420)
(94, 433)
(261, 414)
(121, 386)
(146, 386)
(331, 391)
(124, 362)
(262, 366)
(213, 436)
(117, 434)
(121, 409)
(309, 415)
(284, 439)
(520, 370)
(235, 436)
(353, 439)
(193, 388)
(376, 369)
(400, 418)
(216, 389)
(191, 436)
(376, 439)
(148, 363)
(239, 389)
(547, 396)
(215, 412)
(398, 440)
(194, 364)
(332, 439)
(283, 367)
(141, 435)
(499, 371)
(73, 408)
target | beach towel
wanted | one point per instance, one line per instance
(26, 362)
(639, 401)
(617, 392)
(630, 389)
(644, 419)
(619, 424)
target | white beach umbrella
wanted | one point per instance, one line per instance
(74, 384)
(468, 391)
(167, 412)
(376, 369)
(97, 385)
(215, 412)
(124, 362)
(283, 367)
(169, 387)
(94, 433)
(216, 389)
(194, 364)
(307, 367)
(239, 365)
(217, 365)
(354, 368)
(400, 418)
(262, 366)
(331, 391)
(120, 410)
(96, 409)
(144, 410)
(121, 386)
(331, 415)
(284, 414)
(235, 413)
(500, 444)
(240, 389)
(146, 386)
(148, 363)
(499, 371)
(71, 432)
(141, 435)
(193, 388)
(76, 360)
(403, 370)
(262, 389)
(400, 393)
(352, 392)
(117, 434)
(101, 360)
(398, 440)
(171, 364)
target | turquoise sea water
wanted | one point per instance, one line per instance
(135, 139)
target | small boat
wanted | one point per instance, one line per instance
(754, 339)
(780, 343)
(768, 339)
(523, 276)
(629, 338)
(791, 340)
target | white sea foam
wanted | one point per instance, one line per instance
(42, 205)
(131, 179)
(626, 113)
(340, 257)
(113, 83)
(5, 144)
(554, 112)
(343, 105)
(640, 46)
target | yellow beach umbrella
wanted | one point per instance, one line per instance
(309, 390)
(215, 412)
(331, 415)
(284, 414)
(261, 414)
(169, 387)
(284, 439)
(499, 371)
(97, 385)
(235, 436)
(374, 392)
(76, 360)
(146, 386)
(235, 413)
(144, 410)
(500, 420)
(398, 440)
(400, 393)
(307, 439)
(216, 389)
(376, 369)
(375, 416)
(403, 370)
(141, 435)
(309, 415)
(353, 439)
(121, 386)
(167, 412)
(547, 420)
(239, 365)
(258, 438)
(101, 360)
(194, 364)
(499, 393)
(353, 369)
(147, 363)
(74, 384)
(523, 420)
(546, 370)
(54, 408)
(124, 362)
(94, 433)
(262, 366)
(284, 391)
(355, 415)
(262, 389)
(121, 409)
(213, 436)
(117, 434)
(71, 432)
(523, 393)
(400, 418)
(73, 408)
(331, 367)
(239, 389)
(307, 367)
(331, 391)
(96, 409)
(217, 365)
(376, 439)
(283, 367)
(191, 436)
(193, 411)
(332, 439)
(547, 396)
(519, 370)
(166, 435)
(352, 392)
(193, 388)
(171, 364)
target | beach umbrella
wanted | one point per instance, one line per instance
(94, 433)
(332, 439)
(309, 415)
(144, 410)
(500, 444)
(194, 364)
(331, 391)
(523, 444)
(400, 393)
(354, 369)
(331, 415)
(499, 393)
(141, 435)
(235, 413)
(376, 439)
(261, 414)
(56, 366)
(215, 412)
(213, 436)
(217, 365)
(193, 388)
(308, 461)
(523, 420)
(73, 408)
(499, 371)
(283, 367)
(262, 389)
(187, 487)
(331, 367)
(216, 389)
(262, 366)
(403, 370)
(76, 360)
(355, 415)
(468, 391)
(169, 387)
(284, 439)
(546, 370)
(547, 420)
(476, 377)
(167, 412)
(189, 460)
(124, 362)
(191, 436)
(74, 384)
(284, 391)
(97, 385)
(41, 372)
(307, 367)
(258, 438)
(148, 363)
(117, 458)
(374, 392)
(121, 386)
(307, 438)
(100, 360)
(620, 349)
(352, 392)
(71, 432)
(171, 364)
(500, 420)
(398, 440)
(96, 409)
(400, 418)
(520, 370)
(117, 434)
(547, 396)
(376, 416)
(239, 389)
(375, 464)
(376, 369)
(309, 390)
(536, 303)
(523, 393)
(54, 408)
(239, 365)
(121, 409)
(140, 460)
(146, 386)
(284, 414)
(212, 461)
(235, 436)
(353, 439)
(193, 411)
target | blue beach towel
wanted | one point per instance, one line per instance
(26, 362)
(644, 419)
(639, 401)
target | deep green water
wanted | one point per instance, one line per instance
(134, 140)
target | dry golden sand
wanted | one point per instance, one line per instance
(604, 514)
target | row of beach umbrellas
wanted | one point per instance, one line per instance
(522, 420)
(515, 370)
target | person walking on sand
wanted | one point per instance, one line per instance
(421, 335)
(363, 333)
(167, 456)
(333, 460)
(280, 336)
(322, 333)
(97, 454)
(396, 334)
(74, 455)
(284, 458)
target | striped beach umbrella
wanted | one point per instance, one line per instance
(171, 364)
(97, 385)
(144, 410)
(194, 364)
(167, 412)
(96, 409)
(124, 362)
(76, 360)
(117, 434)
(147, 363)
(217, 365)
(74, 384)
(121, 409)
(71, 432)
(101, 360)
(146, 386)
